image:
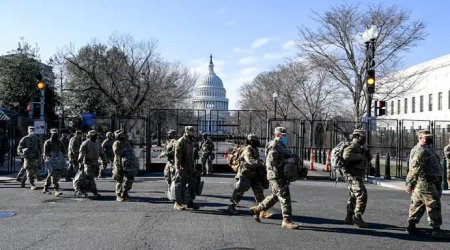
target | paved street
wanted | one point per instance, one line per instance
(148, 221)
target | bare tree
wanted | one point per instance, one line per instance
(337, 47)
(124, 78)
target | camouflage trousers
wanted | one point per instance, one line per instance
(73, 167)
(426, 196)
(31, 166)
(90, 171)
(257, 189)
(53, 177)
(186, 184)
(357, 193)
(168, 172)
(118, 176)
(207, 163)
(279, 192)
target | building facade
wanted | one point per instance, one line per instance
(210, 95)
(428, 100)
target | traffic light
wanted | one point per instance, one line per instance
(381, 108)
(40, 84)
(36, 110)
(371, 81)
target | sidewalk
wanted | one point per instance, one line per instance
(394, 183)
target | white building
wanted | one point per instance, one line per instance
(210, 95)
(428, 100)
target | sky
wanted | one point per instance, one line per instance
(245, 37)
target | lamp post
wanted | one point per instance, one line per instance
(275, 99)
(209, 107)
(59, 112)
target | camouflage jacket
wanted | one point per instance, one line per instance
(249, 162)
(423, 165)
(447, 153)
(90, 151)
(276, 154)
(74, 147)
(184, 154)
(123, 151)
(207, 146)
(107, 146)
(357, 158)
(50, 147)
(33, 146)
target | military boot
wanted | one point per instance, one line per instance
(193, 205)
(32, 186)
(45, 191)
(412, 229)
(437, 233)
(80, 194)
(357, 220)
(119, 198)
(178, 206)
(22, 184)
(265, 215)
(232, 209)
(255, 211)
(349, 219)
(125, 195)
(287, 223)
(96, 196)
(57, 193)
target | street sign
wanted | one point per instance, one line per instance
(88, 119)
(39, 127)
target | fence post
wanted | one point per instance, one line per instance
(377, 165)
(444, 177)
(387, 168)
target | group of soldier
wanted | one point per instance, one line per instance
(423, 181)
(83, 158)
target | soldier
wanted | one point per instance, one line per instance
(54, 161)
(207, 147)
(447, 158)
(423, 182)
(125, 165)
(73, 152)
(277, 154)
(251, 174)
(107, 148)
(186, 181)
(169, 152)
(90, 151)
(356, 157)
(30, 148)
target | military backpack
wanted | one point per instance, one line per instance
(338, 163)
(233, 157)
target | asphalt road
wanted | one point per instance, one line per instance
(148, 220)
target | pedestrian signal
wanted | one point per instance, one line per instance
(381, 108)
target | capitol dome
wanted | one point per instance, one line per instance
(210, 96)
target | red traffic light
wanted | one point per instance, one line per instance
(29, 107)
(381, 108)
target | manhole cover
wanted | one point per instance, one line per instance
(6, 214)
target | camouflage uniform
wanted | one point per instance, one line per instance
(447, 158)
(107, 146)
(170, 154)
(90, 151)
(123, 151)
(186, 179)
(55, 163)
(74, 151)
(29, 148)
(207, 147)
(277, 154)
(424, 178)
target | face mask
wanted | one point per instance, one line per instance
(54, 137)
(31, 132)
(191, 137)
(93, 137)
(284, 140)
(428, 141)
(255, 144)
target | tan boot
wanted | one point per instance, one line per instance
(119, 198)
(265, 215)
(57, 193)
(45, 191)
(32, 186)
(177, 206)
(357, 220)
(255, 211)
(287, 223)
(349, 219)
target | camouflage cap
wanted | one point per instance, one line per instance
(78, 132)
(30, 127)
(424, 133)
(252, 137)
(280, 130)
(118, 132)
(171, 131)
(92, 132)
(53, 131)
(189, 128)
(359, 132)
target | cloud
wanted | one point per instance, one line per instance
(230, 22)
(289, 45)
(259, 43)
(240, 51)
(248, 60)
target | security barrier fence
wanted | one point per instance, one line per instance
(390, 139)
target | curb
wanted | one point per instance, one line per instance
(384, 183)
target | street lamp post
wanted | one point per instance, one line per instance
(209, 107)
(59, 112)
(275, 99)
(369, 36)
